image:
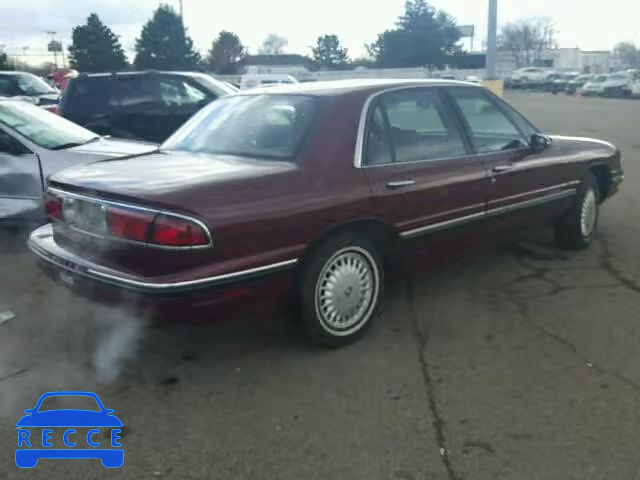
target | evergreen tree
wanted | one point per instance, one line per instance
(164, 43)
(96, 48)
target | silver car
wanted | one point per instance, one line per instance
(34, 144)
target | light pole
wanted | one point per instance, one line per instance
(54, 50)
(492, 40)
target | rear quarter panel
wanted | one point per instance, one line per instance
(284, 213)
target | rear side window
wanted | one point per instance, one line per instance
(490, 127)
(135, 91)
(421, 128)
(378, 148)
(8, 86)
(86, 97)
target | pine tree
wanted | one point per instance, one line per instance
(164, 43)
(96, 48)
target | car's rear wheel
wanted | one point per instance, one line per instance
(577, 228)
(341, 289)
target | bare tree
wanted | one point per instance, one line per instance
(528, 38)
(628, 54)
(273, 45)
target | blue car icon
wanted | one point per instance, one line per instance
(29, 451)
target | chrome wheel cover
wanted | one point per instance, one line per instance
(588, 213)
(347, 291)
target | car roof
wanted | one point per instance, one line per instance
(341, 87)
(143, 72)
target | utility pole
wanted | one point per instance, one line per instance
(492, 40)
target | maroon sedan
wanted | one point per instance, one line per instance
(323, 181)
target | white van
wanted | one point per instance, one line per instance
(252, 80)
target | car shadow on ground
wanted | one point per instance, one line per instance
(168, 348)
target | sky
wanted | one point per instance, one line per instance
(588, 24)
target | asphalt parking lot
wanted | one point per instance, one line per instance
(521, 363)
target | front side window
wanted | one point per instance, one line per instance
(43, 128)
(259, 126)
(491, 129)
(177, 92)
(10, 146)
(421, 129)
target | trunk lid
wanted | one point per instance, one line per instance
(170, 179)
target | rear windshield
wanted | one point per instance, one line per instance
(262, 126)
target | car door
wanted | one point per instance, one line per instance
(416, 160)
(181, 98)
(528, 189)
(20, 181)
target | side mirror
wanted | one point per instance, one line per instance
(29, 410)
(539, 142)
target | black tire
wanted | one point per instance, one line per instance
(573, 231)
(342, 251)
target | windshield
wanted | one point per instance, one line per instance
(41, 127)
(263, 126)
(617, 77)
(32, 85)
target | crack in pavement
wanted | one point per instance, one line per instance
(606, 262)
(523, 309)
(541, 274)
(438, 422)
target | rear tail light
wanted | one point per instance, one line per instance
(138, 225)
(177, 232)
(129, 224)
(53, 206)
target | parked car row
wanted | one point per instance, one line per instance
(617, 84)
(28, 87)
(317, 185)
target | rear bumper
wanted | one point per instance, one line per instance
(42, 243)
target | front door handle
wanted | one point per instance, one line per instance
(400, 184)
(503, 168)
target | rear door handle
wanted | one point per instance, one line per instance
(400, 184)
(503, 168)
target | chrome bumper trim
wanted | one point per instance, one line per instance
(90, 271)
